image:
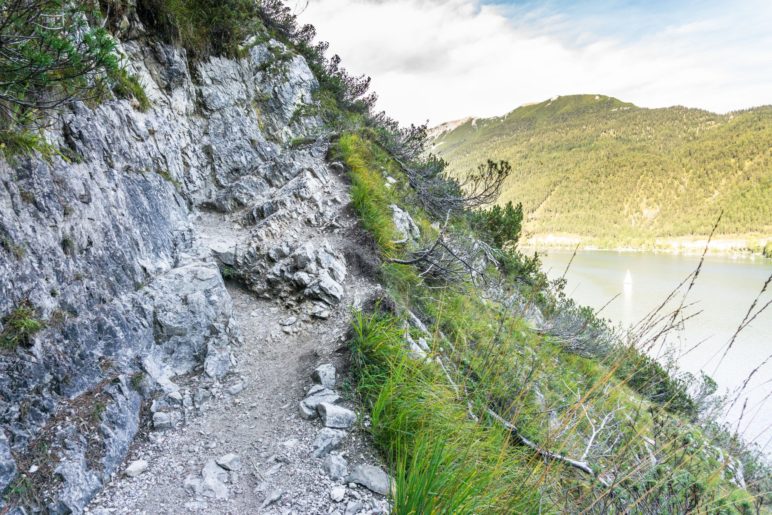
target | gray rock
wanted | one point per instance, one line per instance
(338, 493)
(335, 466)
(317, 269)
(319, 311)
(162, 421)
(7, 463)
(289, 321)
(319, 396)
(325, 375)
(214, 478)
(306, 412)
(326, 289)
(327, 440)
(272, 498)
(371, 477)
(236, 389)
(230, 462)
(404, 224)
(136, 468)
(79, 484)
(354, 507)
(316, 388)
(111, 233)
(336, 416)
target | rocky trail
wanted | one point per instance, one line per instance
(245, 444)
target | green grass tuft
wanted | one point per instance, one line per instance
(19, 326)
(21, 143)
(127, 86)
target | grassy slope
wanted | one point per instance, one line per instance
(616, 174)
(445, 462)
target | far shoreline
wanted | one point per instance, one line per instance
(751, 247)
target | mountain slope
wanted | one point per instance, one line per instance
(615, 174)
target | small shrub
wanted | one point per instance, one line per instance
(58, 50)
(498, 226)
(57, 318)
(15, 249)
(203, 27)
(97, 411)
(68, 246)
(20, 326)
(649, 378)
(167, 176)
(15, 143)
(136, 380)
(126, 85)
(27, 196)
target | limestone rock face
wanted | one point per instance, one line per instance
(404, 224)
(103, 246)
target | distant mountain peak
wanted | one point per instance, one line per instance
(439, 130)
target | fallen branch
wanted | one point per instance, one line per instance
(515, 434)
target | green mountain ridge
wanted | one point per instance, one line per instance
(612, 174)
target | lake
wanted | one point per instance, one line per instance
(723, 293)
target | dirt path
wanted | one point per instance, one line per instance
(254, 413)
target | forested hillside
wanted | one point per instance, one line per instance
(615, 174)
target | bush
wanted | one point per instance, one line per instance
(50, 55)
(649, 378)
(203, 27)
(19, 326)
(499, 226)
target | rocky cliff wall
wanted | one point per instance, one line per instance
(101, 243)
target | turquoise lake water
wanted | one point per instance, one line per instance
(722, 294)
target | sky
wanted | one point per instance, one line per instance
(442, 60)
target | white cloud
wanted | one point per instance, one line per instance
(442, 60)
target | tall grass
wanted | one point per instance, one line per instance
(444, 462)
(369, 195)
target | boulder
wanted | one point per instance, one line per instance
(371, 477)
(327, 440)
(230, 462)
(335, 466)
(214, 478)
(338, 493)
(406, 227)
(336, 416)
(317, 396)
(306, 412)
(162, 420)
(324, 375)
(136, 468)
